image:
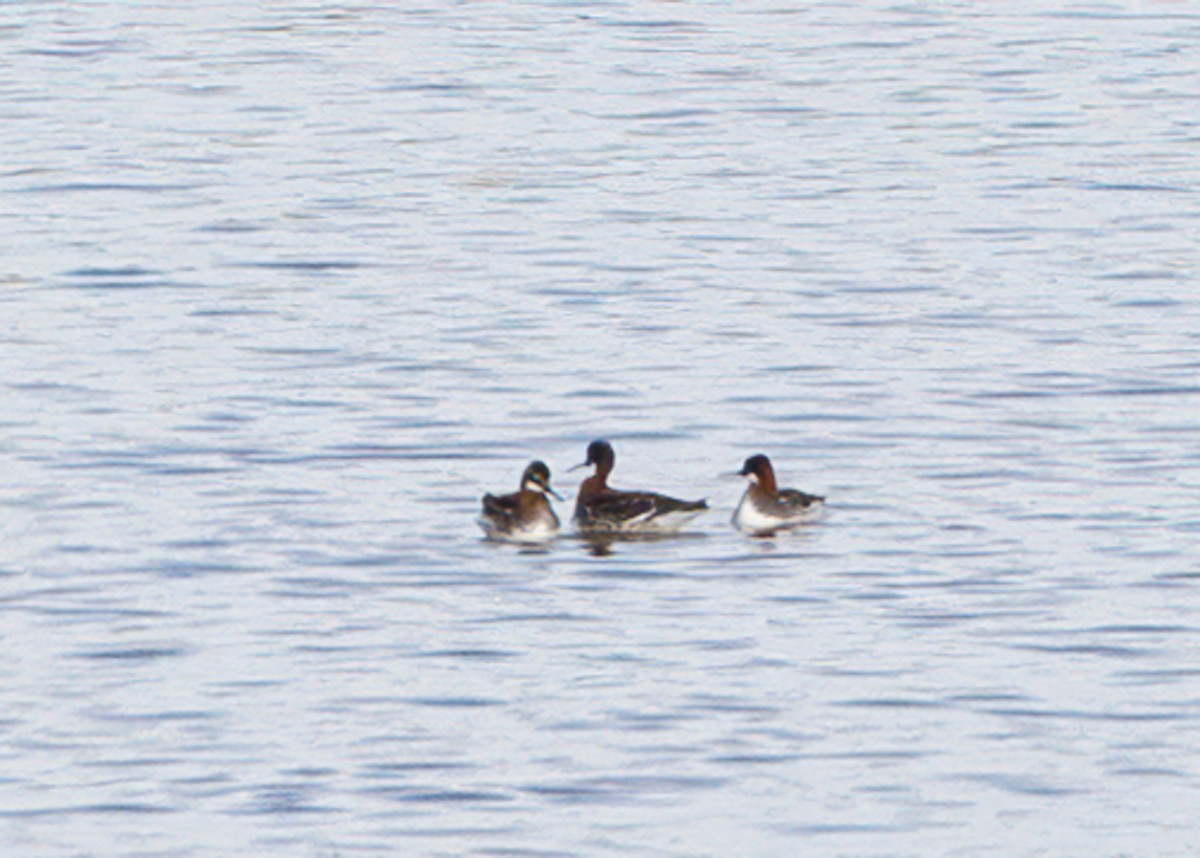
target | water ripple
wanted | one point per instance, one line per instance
(290, 289)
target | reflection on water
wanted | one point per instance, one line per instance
(289, 289)
(603, 544)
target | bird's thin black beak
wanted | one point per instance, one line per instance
(553, 493)
(731, 475)
(577, 467)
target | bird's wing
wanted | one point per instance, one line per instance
(664, 505)
(502, 507)
(619, 506)
(798, 500)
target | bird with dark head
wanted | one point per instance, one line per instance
(765, 508)
(602, 509)
(524, 515)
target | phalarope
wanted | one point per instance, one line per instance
(525, 515)
(766, 508)
(600, 509)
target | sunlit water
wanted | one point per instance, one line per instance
(284, 291)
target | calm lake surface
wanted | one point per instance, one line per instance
(285, 290)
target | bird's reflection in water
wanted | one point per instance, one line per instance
(599, 545)
(602, 544)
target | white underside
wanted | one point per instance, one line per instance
(542, 530)
(667, 522)
(751, 519)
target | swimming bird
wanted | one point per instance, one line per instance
(525, 515)
(600, 509)
(766, 508)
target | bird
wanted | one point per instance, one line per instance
(523, 516)
(766, 508)
(600, 509)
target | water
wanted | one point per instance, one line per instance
(283, 291)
